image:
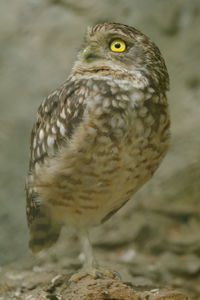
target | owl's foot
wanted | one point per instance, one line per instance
(95, 274)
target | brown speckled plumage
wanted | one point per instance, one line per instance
(99, 137)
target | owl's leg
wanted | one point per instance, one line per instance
(90, 266)
(89, 259)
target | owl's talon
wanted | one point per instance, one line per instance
(111, 274)
(95, 274)
(117, 275)
(70, 281)
(77, 276)
(98, 274)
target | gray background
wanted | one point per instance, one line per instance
(38, 44)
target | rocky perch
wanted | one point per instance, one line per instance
(42, 287)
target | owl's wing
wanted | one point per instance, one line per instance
(57, 118)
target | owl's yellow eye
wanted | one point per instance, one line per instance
(118, 46)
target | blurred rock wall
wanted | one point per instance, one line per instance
(39, 40)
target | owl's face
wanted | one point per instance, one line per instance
(118, 47)
(110, 46)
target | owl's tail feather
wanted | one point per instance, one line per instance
(43, 233)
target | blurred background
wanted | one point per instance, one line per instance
(39, 40)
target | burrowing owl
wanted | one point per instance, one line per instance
(100, 136)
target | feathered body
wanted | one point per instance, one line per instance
(99, 137)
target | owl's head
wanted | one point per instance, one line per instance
(120, 47)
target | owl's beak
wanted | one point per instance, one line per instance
(89, 55)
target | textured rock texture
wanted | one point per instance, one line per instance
(155, 239)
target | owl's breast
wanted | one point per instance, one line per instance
(129, 137)
(113, 152)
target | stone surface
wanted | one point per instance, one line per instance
(37, 284)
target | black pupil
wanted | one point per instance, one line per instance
(117, 45)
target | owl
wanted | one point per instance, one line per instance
(99, 137)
